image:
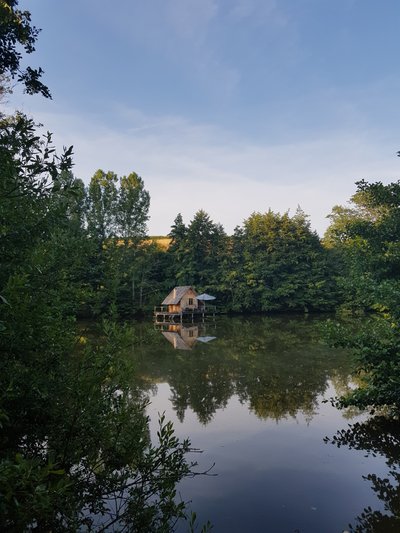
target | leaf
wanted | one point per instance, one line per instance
(4, 300)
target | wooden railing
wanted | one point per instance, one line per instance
(207, 309)
(161, 309)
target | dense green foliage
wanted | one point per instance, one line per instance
(273, 263)
(75, 448)
(366, 238)
(279, 264)
(75, 452)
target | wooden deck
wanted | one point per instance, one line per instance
(162, 315)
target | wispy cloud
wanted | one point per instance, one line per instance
(180, 33)
(259, 11)
(189, 19)
(188, 166)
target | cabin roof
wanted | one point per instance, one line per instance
(176, 295)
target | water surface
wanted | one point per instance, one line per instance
(250, 393)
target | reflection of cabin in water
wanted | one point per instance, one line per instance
(180, 337)
(184, 337)
(183, 303)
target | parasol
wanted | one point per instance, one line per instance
(205, 297)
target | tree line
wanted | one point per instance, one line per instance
(272, 262)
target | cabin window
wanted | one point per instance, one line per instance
(191, 333)
(190, 301)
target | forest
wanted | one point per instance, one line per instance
(73, 432)
(92, 248)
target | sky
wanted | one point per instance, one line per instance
(231, 106)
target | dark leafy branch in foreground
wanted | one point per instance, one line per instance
(378, 436)
(16, 33)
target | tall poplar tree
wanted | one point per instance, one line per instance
(132, 214)
(117, 214)
(102, 202)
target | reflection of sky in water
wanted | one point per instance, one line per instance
(272, 476)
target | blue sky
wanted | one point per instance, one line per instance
(232, 106)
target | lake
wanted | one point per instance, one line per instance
(250, 392)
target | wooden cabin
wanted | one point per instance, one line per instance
(183, 303)
(182, 299)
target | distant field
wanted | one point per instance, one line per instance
(163, 242)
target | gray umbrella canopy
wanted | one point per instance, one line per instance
(206, 339)
(204, 297)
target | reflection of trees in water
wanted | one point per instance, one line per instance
(276, 365)
(204, 387)
(377, 436)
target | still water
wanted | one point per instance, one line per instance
(250, 393)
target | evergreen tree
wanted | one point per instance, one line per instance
(177, 252)
(197, 252)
